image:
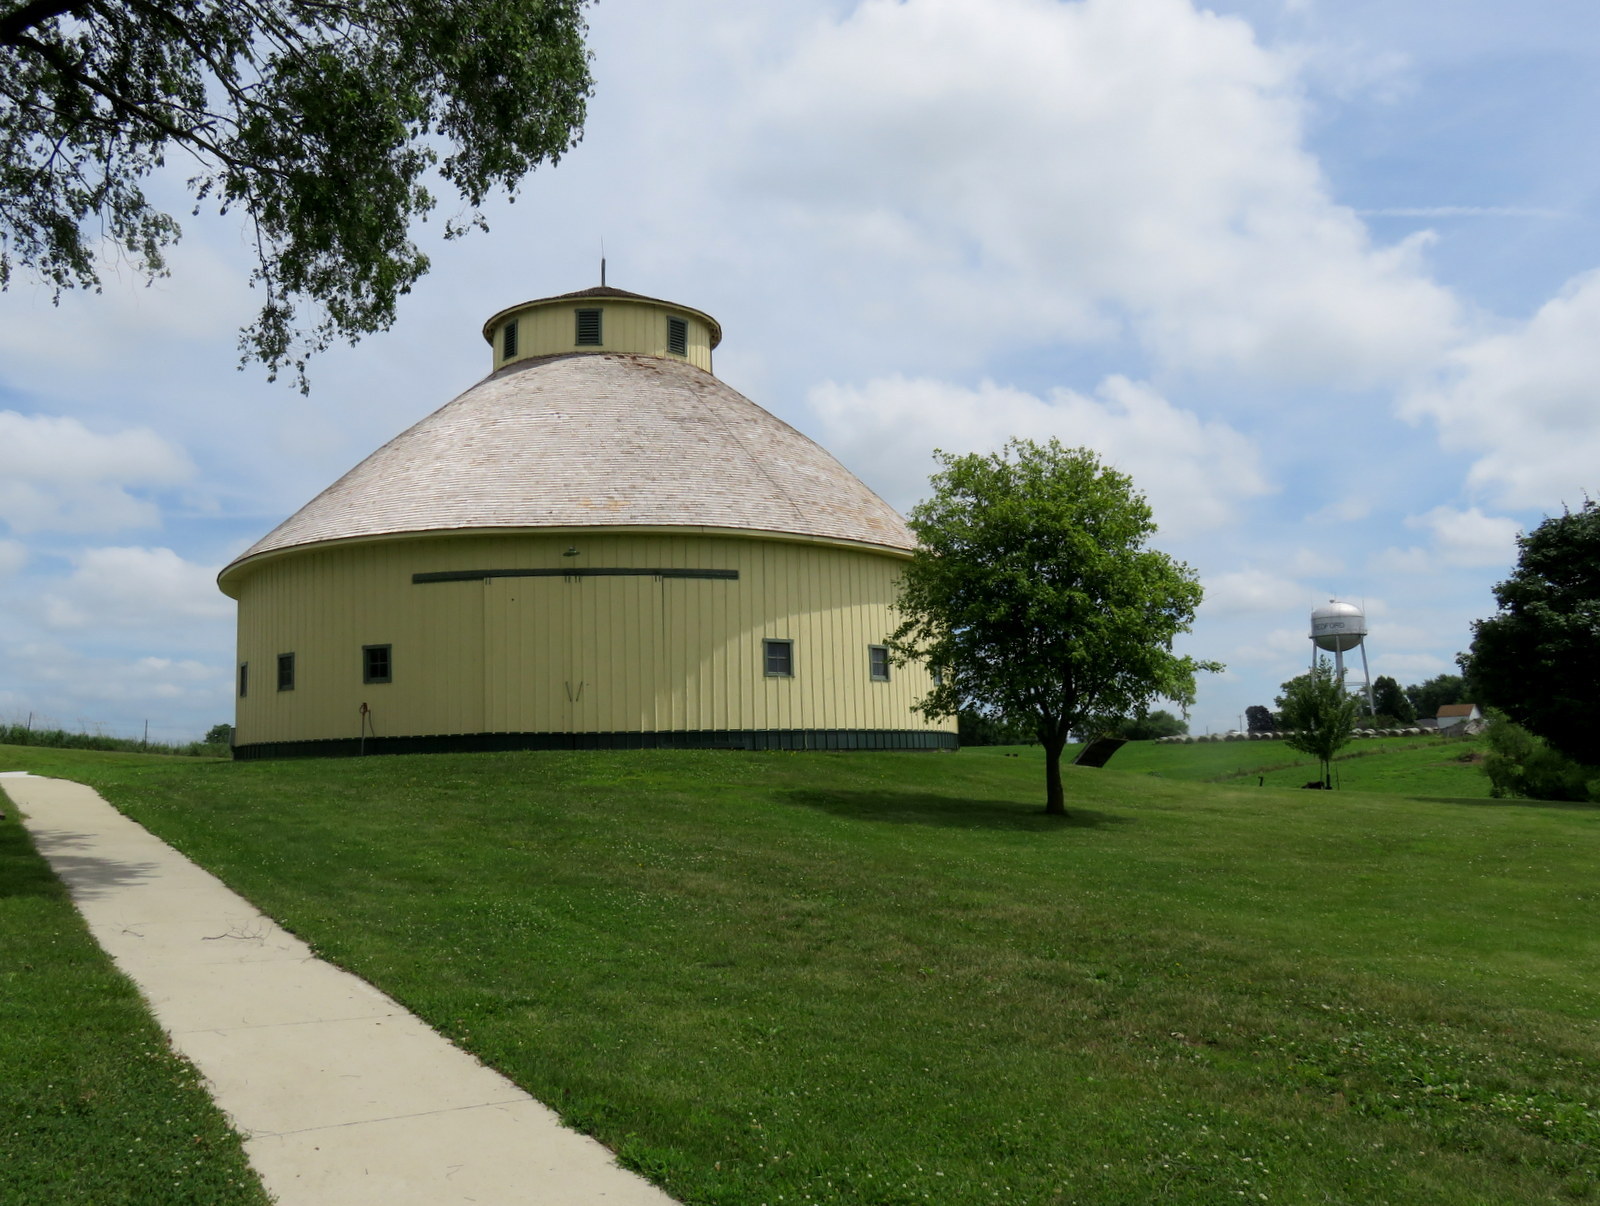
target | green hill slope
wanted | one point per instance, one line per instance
(1423, 766)
(886, 979)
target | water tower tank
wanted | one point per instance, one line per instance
(1338, 626)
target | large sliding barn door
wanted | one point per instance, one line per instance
(525, 656)
(572, 655)
(616, 654)
(691, 694)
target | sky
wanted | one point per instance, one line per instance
(1322, 276)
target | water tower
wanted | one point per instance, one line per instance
(1339, 627)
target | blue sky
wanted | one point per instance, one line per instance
(1322, 276)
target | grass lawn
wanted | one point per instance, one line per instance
(94, 1106)
(886, 979)
(1424, 766)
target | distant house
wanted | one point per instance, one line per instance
(1451, 715)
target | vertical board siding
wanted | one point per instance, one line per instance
(627, 327)
(508, 655)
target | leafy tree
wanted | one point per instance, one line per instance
(1319, 715)
(1259, 719)
(1390, 701)
(1538, 658)
(219, 734)
(1148, 728)
(1428, 697)
(318, 119)
(1032, 594)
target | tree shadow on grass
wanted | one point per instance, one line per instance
(45, 865)
(1486, 802)
(948, 812)
(22, 871)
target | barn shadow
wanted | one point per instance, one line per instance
(948, 812)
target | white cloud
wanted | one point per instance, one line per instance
(1251, 591)
(135, 587)
(1314, 563)
(57, 474)
(1463, 211)
(1193, 472)
(1399, 635)
(1525, 402)
(1023, 170)
(13, 556)
(1469, 537)
(1411, 560)
(1352, 70)
(1345, 510)
(1410, 668)
(102, 331)
(1459, 538)
(1283, 648)
(61, 686)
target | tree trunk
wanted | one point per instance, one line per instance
(1055, 800)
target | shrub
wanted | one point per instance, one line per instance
(975, 727)
(1521, 765)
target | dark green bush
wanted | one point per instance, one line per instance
(974, 727)
(1520, 765)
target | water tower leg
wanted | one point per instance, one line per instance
(1367, 674)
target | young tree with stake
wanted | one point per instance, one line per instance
(1319, 715)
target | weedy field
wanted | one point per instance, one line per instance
(888, 979)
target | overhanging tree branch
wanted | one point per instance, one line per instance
(187, 135)
(31, 16)
(291, 108)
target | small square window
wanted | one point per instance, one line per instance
(508, 340)
(878, 662)
(376, 666)
(588, 328)
(779, 658)
(286, 672)
(678, 336)
(244, 679)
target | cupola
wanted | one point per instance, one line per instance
(601, 320)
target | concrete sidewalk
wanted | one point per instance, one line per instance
(343, 1097)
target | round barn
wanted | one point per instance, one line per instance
(598, 545)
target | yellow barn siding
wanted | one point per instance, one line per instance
(509, 654)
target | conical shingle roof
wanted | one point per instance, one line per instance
(595, 440)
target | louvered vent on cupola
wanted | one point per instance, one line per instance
(508, 340)
(678, 336)
(588, 328)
